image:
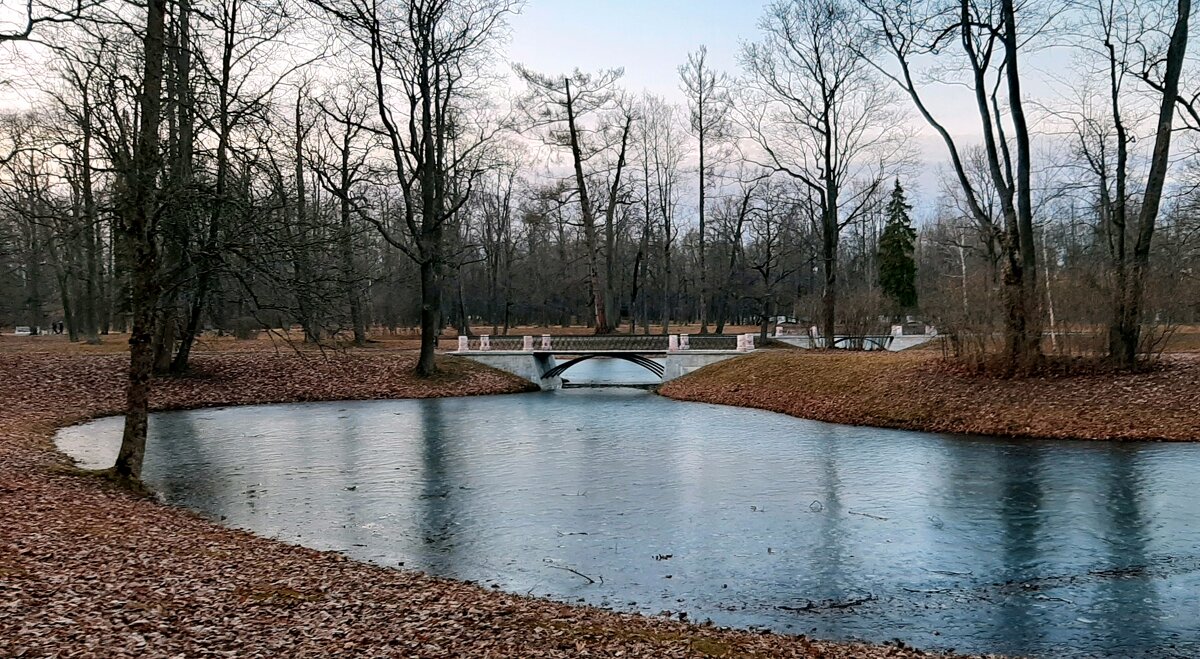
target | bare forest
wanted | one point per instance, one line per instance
(334, 169)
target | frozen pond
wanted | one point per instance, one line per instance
(746, 518)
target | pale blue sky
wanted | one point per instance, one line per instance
(650, 38)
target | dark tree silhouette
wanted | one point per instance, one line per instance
(897, 267)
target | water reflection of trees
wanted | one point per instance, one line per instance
(1129, 598)
(1071, 521)
(436, 513)
(183, 465)
(1022, 518)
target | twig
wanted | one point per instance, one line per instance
(949, 573)
(882, 519)
(849, 603)
(1048, 598)
(576, 572)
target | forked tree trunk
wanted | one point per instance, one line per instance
(591, 243)
(1125, 334)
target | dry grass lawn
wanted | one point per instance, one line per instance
(915, 390)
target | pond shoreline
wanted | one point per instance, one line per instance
(917, 391)
(94, 571)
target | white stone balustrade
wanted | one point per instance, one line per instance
(745, 342)
(485, 342)
(527, 344)
(464, 344)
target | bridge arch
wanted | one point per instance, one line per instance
(645, 362)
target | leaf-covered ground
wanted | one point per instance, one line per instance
(90, 571)
(915, 390)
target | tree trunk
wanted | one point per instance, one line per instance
(829, 246)
(164, 338)
(92, 287)
(599, 288)
(1125, 341)
(431, 318)
(208, 256)
(346, 242)
(141, 250)
(703, 262)
(1025, 325)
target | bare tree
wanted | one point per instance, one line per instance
(662, 162)
(349, 140)
(138, 228)
(251, 35)
(1125, 328)
(34, 13)
(709, 104)
(427, 58)
(991, 41)
(1123, 45)
(822, 117)
(550, 102)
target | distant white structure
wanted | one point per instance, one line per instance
(901, 336)
(23, 330)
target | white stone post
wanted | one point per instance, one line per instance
(673, 343)
(485, 342)
(527, 346)
(741, 344)
(683, 342)
(749, 341)
(545, 342)
(463, 344)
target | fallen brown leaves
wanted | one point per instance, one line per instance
(917, 391)
(90, 571)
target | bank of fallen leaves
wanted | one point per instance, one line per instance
(917, 391)
(90, 571)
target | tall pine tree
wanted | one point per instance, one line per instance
(897, 268)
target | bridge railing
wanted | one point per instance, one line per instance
(603, 343)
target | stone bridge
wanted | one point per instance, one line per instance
(535, 358)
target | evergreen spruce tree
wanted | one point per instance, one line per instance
(897, 268)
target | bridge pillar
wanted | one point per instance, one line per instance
(528, 365)
(748, 341)
(679, 364)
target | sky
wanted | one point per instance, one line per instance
(649, 38)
